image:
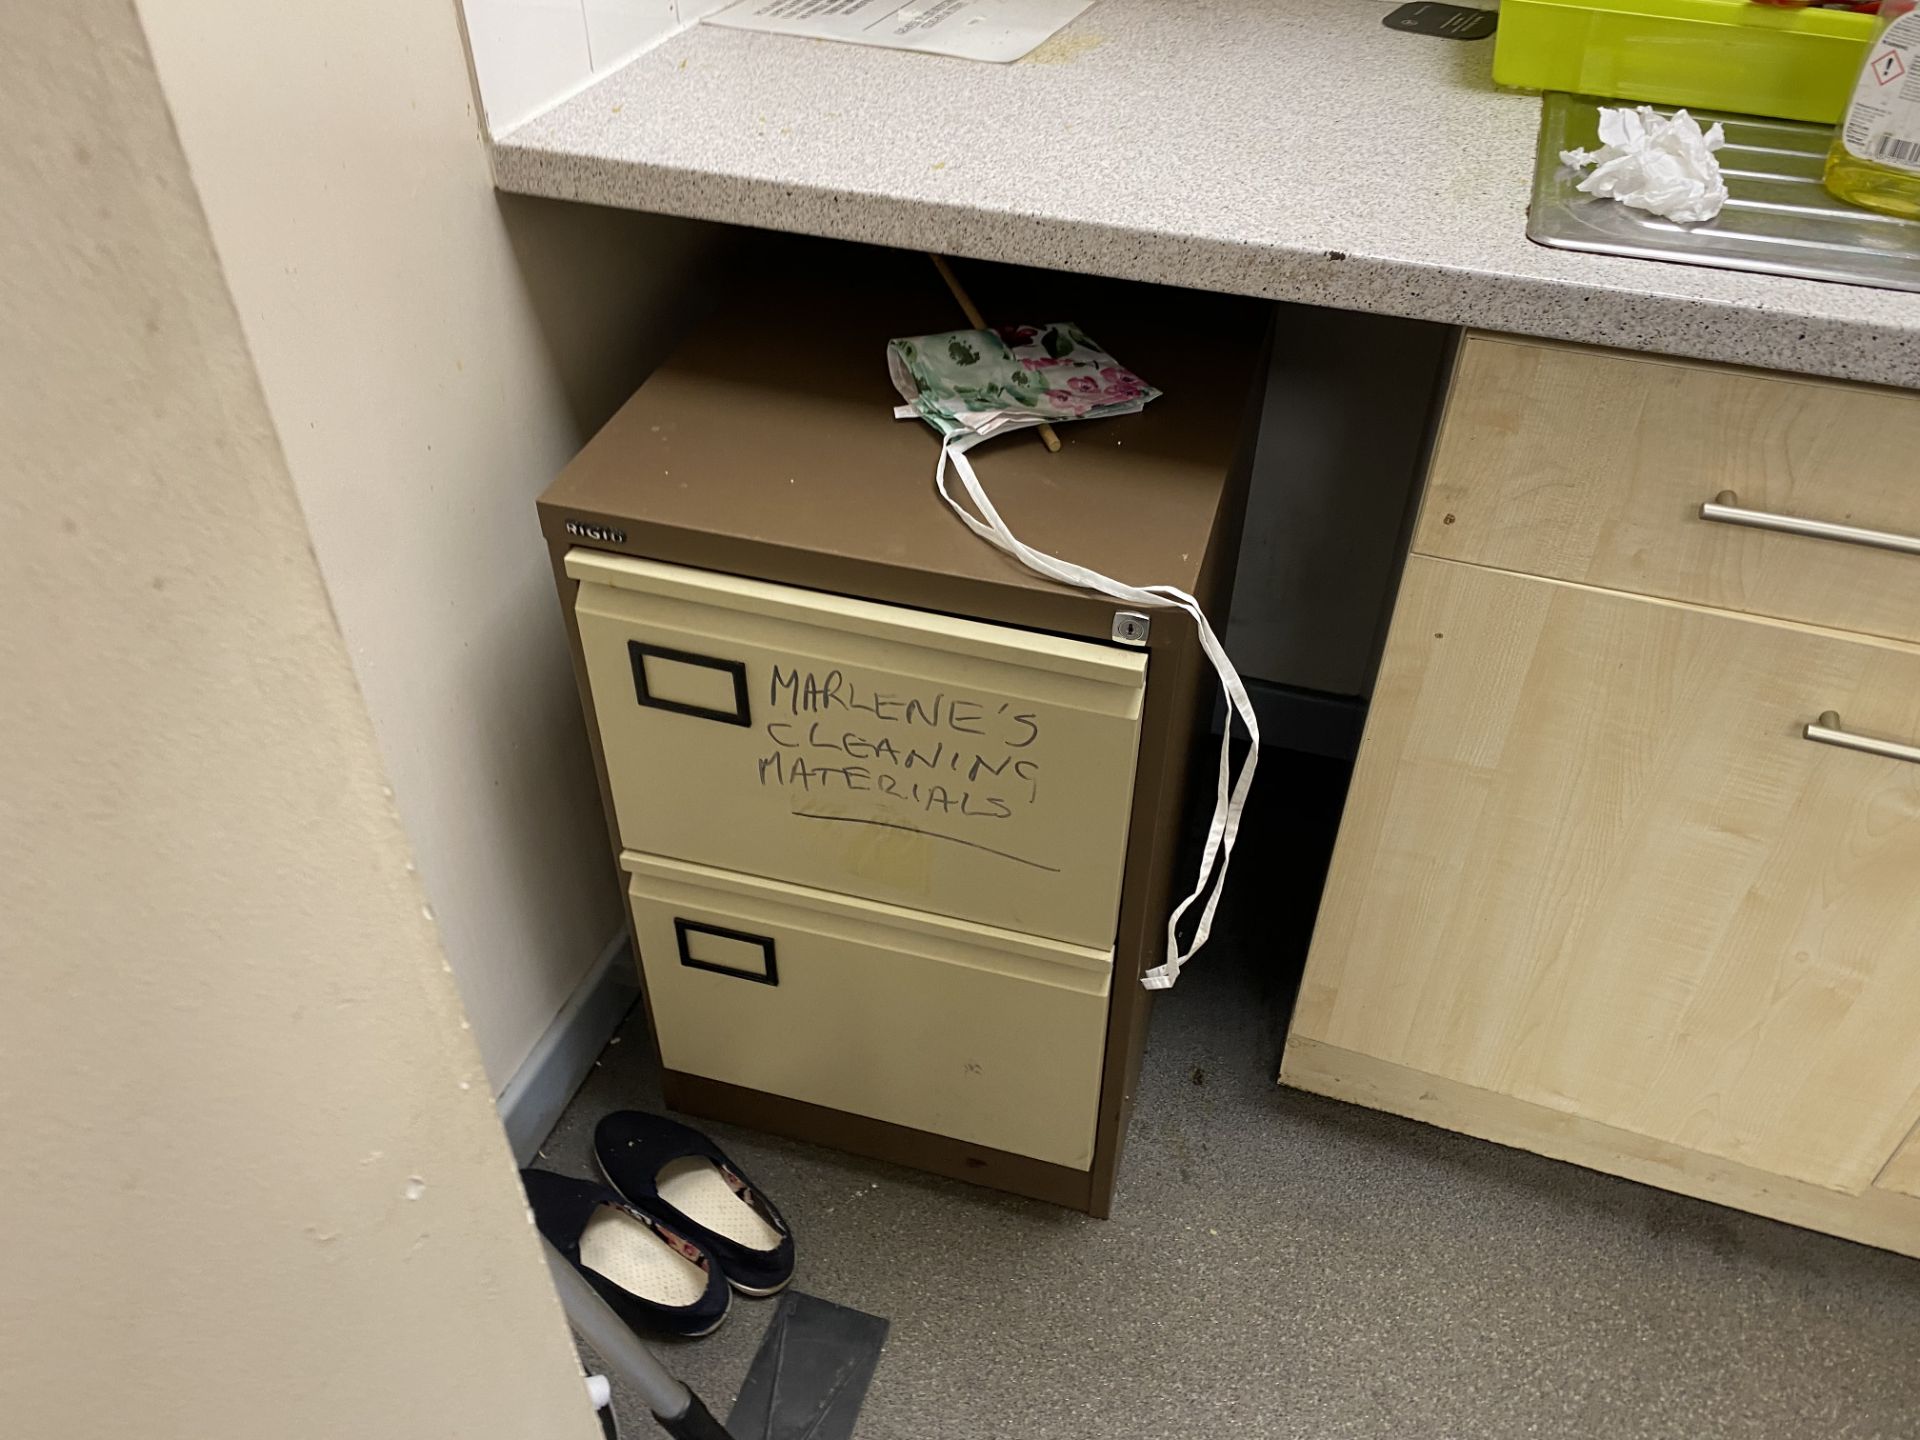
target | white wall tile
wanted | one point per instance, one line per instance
(527, 54)
(617, 30)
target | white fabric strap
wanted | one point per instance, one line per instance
(1229, 798)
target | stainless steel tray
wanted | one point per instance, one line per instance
(1779, 219)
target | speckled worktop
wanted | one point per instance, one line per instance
(1296, 149)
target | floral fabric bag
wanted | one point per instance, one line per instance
(973, 384)
(981, 382)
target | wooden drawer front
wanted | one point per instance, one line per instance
(1591, 466)
(1589, 861)
(941, 1025)
(946, 765)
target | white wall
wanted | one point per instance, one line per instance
(254, 1185)
(431, 355)
(528, 54)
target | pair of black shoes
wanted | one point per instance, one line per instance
(677, 1227)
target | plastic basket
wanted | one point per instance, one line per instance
(1708, 54)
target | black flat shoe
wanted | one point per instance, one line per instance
(677, 1175)
(654, 1278)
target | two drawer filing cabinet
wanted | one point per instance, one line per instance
(897, 821)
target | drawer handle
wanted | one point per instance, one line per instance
(1827, 731)
(1727, 510)
(738, 713)
(726, 952)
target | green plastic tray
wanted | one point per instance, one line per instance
(1713, 54)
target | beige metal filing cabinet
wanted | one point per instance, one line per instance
(897, 820)
(1630, 870)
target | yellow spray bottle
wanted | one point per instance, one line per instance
(1875, 159)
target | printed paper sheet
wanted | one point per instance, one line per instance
(997, 30)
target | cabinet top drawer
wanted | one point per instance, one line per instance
(944, 765)
(860, 617)
(1594, 466)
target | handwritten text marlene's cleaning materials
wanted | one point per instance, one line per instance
(1655, 163)
(973, 384)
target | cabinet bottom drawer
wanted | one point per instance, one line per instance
(984, 1035)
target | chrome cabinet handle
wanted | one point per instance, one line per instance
(1727, 510)
(1827, 731)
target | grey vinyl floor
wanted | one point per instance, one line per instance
(1284, 1266)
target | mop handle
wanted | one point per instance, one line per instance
(677, 1408)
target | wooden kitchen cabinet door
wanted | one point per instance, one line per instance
(1590, 862)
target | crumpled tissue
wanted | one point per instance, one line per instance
(1654, 163)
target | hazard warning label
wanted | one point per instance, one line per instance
(1882, 123)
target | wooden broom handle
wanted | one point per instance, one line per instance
(979, 322)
